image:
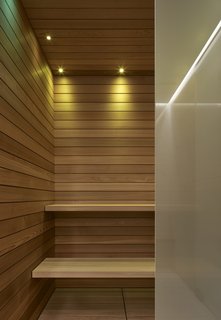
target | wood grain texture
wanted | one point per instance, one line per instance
(105, 283)
(94, 143)
(104, 166)
(106, 231)
(102, 129)
(100, 207)
(95, 268)
(96, 37)
(26, 166)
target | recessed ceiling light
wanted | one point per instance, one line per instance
(60, 70)
(48, 37)
(121, 70)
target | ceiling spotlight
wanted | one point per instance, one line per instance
(48, 37)
(121, 70)
(60, 70)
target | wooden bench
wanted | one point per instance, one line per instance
(60, 268)
(95, 268)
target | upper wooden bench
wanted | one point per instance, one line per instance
(99, 207)
(95, 268)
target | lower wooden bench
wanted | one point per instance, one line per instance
(95, 268)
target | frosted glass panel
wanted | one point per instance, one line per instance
(188, 197)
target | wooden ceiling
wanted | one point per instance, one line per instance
(95, 36)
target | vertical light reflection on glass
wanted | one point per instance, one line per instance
(188, 194)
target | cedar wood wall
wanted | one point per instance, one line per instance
(104, 152)
(26, 166)
(104, 147)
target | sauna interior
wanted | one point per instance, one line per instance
(77, 159)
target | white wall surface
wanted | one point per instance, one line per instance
(188, 163)
(182, 28)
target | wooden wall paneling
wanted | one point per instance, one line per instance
(111, 177)
(114, 115)
(98, 106)
(21, 21)
(86, 14)
(10, 113)
(16, 149)
(14, 256)
(13, 162)
(25, 109)
(105, 234)
(106, 283)
(96, 37)
(32, 314)
(104, 80)
(87, 3)
(102, 129)
(22, 58)
(11, 274)
(26, 166)
(93, 48)
(104, 152)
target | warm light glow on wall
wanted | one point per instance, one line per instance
(120, 90)
(48, 37)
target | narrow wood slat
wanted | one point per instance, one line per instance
(104, 142)
(105, 283)
(94, 24)
(101, 56)
(116, 87)
(105, 106)
(104, 133)
(115, 151)
(107, 68)
(88, 4)
(94, 268)
(104, 124)
(104, 178)
(105, 230)
(98, 36)
(103, 98)
(59, 160)
(94, 13)
(98, 220)
(99, 207)
(103, 80)
(104, 186)
(93, 48)
(104, 197)
(101, 115)
(104, 250)
(104, 240)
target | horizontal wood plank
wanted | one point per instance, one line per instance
(94, 268)
(94, 13)
(94, 24)
(99, 207)
(88, 4)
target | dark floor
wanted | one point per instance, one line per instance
(100, 304)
